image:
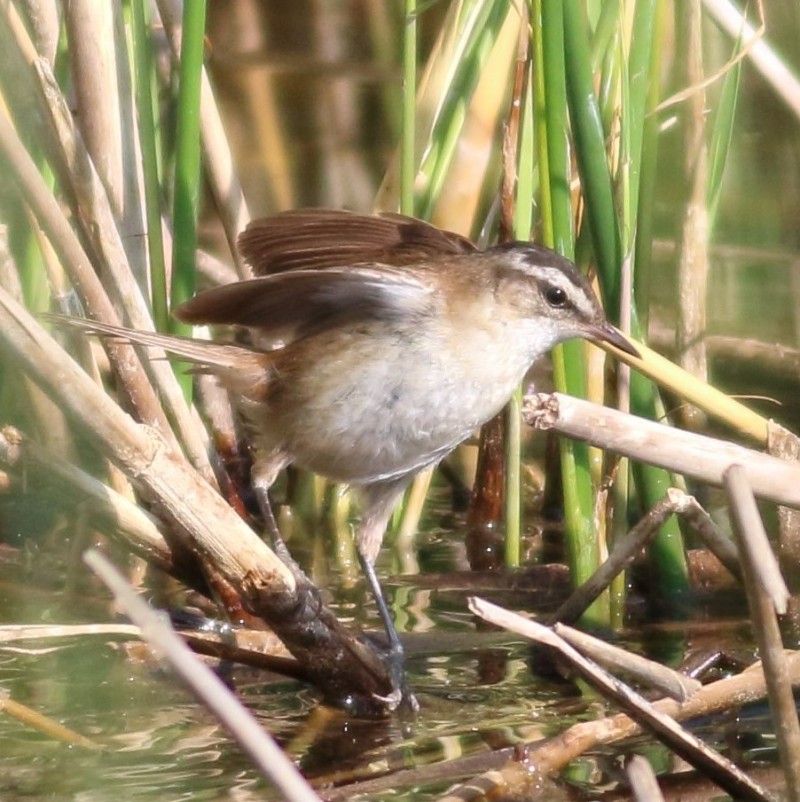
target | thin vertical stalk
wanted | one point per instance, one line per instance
(93, 71)
(693, 261)
(636, 75)
(607, 25)
(582, 545)
(552, 32)
(143, 67)
(187, 158)
(647, 169)
(408, 165)
(528, 149)
(641, 76)
(667, 550)
(591, 154)
(407, 517)
(513, 483)
(522, 224)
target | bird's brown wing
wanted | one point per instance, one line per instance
(298, 303)
(325, 238)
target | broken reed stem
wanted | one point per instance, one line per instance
(646, 672)
(663, 725)
(700, 457)
(766, 593)
(627, 548)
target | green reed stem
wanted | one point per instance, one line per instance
(648, 173)
(187, 159)
(630, 81)
(523, 223)
(146, 111)
(582, 546)
(607, 26)
(408, 166)
(590, 151)
(639, 77)
(667, 551)
(557, 128)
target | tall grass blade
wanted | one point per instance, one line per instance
(721, 135)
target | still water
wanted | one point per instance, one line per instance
(476, 691)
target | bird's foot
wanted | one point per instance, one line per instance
(402, 697)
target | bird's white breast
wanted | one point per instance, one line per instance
(406, 403)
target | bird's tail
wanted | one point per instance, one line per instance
(241, 369)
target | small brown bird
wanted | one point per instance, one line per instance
(399, 340)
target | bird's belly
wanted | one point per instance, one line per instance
(358, 442)
(384, 418)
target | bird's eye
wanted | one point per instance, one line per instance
(555, 296)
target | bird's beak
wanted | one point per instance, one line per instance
(606, 333)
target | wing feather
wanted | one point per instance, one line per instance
(304, 302)
(324, 238)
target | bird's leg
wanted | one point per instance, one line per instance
(395, 656)
(265, 470)
(379, 502)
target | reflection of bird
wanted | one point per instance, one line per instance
(400, 340)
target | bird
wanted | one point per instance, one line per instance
(377, 344)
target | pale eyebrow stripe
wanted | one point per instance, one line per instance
(552, 273)
(555, 276)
